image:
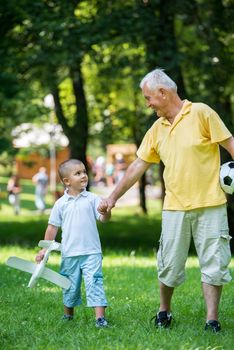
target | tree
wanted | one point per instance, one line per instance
(94, 73)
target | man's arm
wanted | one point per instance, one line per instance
(135, 170)
(229, 145)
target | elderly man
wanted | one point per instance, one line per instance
(186, 138)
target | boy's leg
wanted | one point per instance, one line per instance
(95, 295)
(68, 311)
(93, 278)
(70, 268)
(99, 311)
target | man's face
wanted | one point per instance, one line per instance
(155, 99)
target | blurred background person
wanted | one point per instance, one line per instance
(99, 171)
(110, 169)
(41, 181)
(14, 189)
(120, 167)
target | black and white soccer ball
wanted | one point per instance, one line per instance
(227, 177)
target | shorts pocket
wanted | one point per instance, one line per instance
(160, 260)
(225, 251)
(226, 237)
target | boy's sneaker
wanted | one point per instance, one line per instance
(213, 325)
(163, 319)
(67, 318)
(101, 322)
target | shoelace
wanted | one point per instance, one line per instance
(169, 315)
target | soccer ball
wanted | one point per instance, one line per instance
(227, 177)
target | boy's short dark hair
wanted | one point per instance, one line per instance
(65, 167)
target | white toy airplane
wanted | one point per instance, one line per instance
(39, 270)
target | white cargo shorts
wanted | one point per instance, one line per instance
(209, 229)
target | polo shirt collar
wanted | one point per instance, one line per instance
(68, 197)
(182, 113)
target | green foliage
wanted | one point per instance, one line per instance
(55, 46)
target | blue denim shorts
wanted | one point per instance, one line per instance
(90, 267)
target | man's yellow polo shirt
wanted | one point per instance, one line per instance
(190, 152)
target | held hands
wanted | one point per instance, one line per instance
(40, 255)
(105, 206)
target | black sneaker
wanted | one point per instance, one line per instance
(213, 325)
(101, 322)
(163, 319)
(67, 318)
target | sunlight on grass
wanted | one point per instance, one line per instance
(110, 260)
(27, 254)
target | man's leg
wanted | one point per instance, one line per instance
(175, 237)
(165, 297)
(163, 317)
(211, 238)
(212, 295)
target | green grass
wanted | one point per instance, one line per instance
(31, 318)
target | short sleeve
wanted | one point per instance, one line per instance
(147, 150)
(218, 130)
(55, 216)
(96, 202)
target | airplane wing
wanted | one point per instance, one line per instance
(21, 264)
(46, 244)
(56, 278)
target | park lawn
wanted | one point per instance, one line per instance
(31, 318)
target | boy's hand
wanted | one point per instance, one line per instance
(40, 255)
(106, 205)
(102, 208)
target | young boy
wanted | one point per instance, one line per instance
(76, 213)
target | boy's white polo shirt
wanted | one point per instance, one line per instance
(77, 218)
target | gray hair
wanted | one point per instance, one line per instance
(65, 168)
(158, 78)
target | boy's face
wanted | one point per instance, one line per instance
(77, 180)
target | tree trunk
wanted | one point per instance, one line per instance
(80, 130)
(142, 184)
(162, 51)
(78, 133)
(161, 169)
(138, 138)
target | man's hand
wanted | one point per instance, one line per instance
(135, 170)
(40, 255)
(106, 205)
